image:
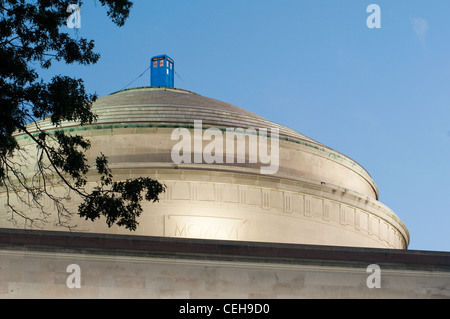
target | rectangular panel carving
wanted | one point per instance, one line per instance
(204, 227)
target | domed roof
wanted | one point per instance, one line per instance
(315, 196)
(161, 104)
(172, 107)
(158, 96)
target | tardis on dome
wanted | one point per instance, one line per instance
(162, 68)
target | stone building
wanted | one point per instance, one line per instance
(252, 209)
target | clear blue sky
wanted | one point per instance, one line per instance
(380, 96)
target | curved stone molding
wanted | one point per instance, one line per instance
(343, 219)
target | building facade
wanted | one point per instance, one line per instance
(252, 209)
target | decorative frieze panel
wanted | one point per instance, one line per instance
(357, 221)
(181, 191)
(307, 206)
(287, 203)
(316, 207)
(383, 231)
(218, 191)
(254, 196)
(206, 192)
(326, 211)
(342, 217)
(298, 203)
(274, 201)
(265, 199)
(363, 221)
(204, 227)
(230, 194)
(242, 196)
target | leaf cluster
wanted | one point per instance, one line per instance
(121, 204)
(33, 33)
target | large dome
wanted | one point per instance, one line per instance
(316, 196)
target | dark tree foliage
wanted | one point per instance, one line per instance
(34, 33)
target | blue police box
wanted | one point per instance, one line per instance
(162, 71)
